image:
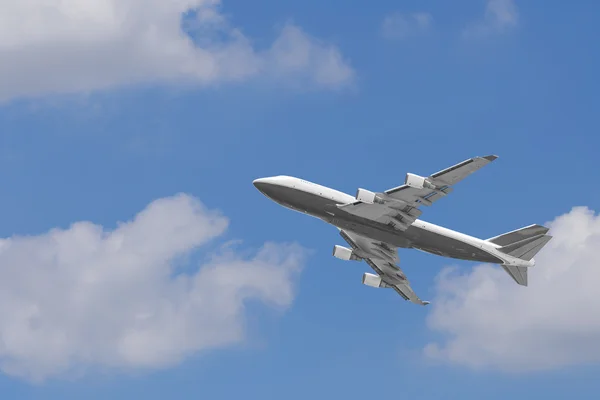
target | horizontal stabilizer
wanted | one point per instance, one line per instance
(526, 249)
(519, 274)
(518, 235)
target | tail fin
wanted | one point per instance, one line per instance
(522, 243)
(519, 274)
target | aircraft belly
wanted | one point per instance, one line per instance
(367, 228)
(435, 243)
(413, 237)
(299, 200)
(327, 210)
(393, 238)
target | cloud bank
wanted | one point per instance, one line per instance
(67, 46)
(490, 322)
(400, 26)
(500, 16)
(83, 297)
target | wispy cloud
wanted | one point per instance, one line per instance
(64, 47)
(500, 16)
(491, 322)
(400, 26)
(85, 297)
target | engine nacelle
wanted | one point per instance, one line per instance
(366, 196)
(344, 253)
(373, 280)
(418, 182)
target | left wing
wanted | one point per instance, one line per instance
(399, 207)
(383, 257)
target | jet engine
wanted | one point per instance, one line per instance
(373, 281)
(344, 253)
(418, 182)
(368, 197)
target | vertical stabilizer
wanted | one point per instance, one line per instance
(519, 274)
(524, 244)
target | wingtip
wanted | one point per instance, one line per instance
(426, 303)
(491, 157)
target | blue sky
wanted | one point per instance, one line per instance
(319, 91)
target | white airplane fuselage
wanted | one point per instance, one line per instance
(321, 202)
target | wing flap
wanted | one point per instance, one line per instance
(364, 210)
(460, 171)
(442, 179)
(397, 219)
(417, 197)
(399, 207)
(407, 293)
(390, 273)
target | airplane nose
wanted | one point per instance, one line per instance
(273, 187)
(267, 186)
(260, 183)
(263, 184)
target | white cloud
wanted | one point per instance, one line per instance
(491, 322)
(500, 16)
(401, 26)
(66, 46)
(294, 53)
(85, 297)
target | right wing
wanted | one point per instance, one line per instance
(382, 258)
(399, 207)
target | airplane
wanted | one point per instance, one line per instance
(377, 224)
